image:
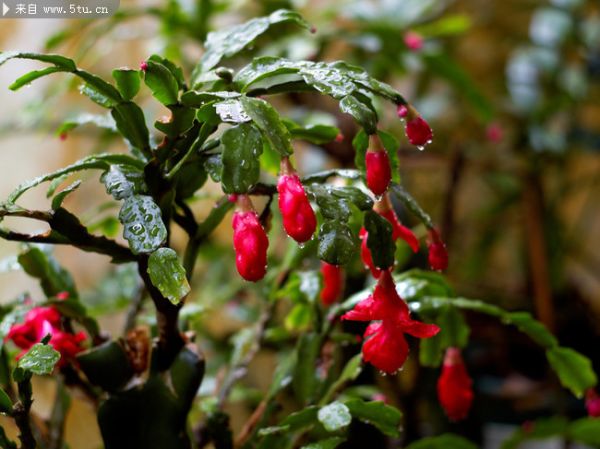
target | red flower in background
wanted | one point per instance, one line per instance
(40, 322)
(438, 255)
(413, 40)
(455, 386)
(384, 208)
(385, 346)
(299, 219)
(333, 283)
(250, 241)
(592, 403)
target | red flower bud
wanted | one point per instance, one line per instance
(454, 386)
(62, 296)
(494, 133)
(417, 129)
(63, 136)
(592, 403)
(143, 66)
(333, 283)
(413, 40)
(379, 170)
(299, 219)
(339, 138)
(438, 255)
(250, 241)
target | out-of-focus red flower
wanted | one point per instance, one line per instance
(40, 322)
(494, 132)
(438, 255)
(384, 208)
(385, 346)
(299, 219)
(455, 386)
(413, 40)
(592, 403)
(250, 241)
(333, 283)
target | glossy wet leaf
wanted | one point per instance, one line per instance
(231, 111)
(103, 121)
(180, 121)
(362, 112)
(128, 82)
(106, 365)
(143, 225)
(379, 240)
(304, 380)
(536, 330)
(317, 134)
(122, 181)
(168, 275)
(385, 417)
(573, 369)
(162, 83)
(40, 359)
(5, 402)
(268, 121)
(241, 148)
(62, 195)
(336, 243)
(43, 266)
(334, 416)
(131, 123)
(57, 60)
(329, 443)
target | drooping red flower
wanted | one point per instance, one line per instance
(455, 386)
(299, 219)
(416, 128)
(250, 241)
(40, 322)
(385, 346)
(333, 283)
(384, 208)
(379, 171)
(413, 40)
(592, 403)
(438, 255)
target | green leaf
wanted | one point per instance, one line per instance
(334, 416)
(391, 145)
(304, 380)
(106, 365)
(334, 201)
(573, 369)
(350, 372)
(40, 359)
(128, 82)
(231, 111)
(168, 275)
(363, 113)
(230, 41)
(181, 121)
(380, 240)
(241, 147)
(162, 83)
(173, 68)
(122, 181)
(329, 443)
(411, 204)
(336, 243)
(103, 93)
(60, 197)
(385, 417)
(454, 330)
(5, 402)
(317, 134)
(268, 121)
(198, 98)
(57, 60)
(28, 78)
(131, 123)
(295, 421)
(187, 372)
(360, 144)
(586, 431)
(43, 266)
(299, 318)
(536, 330)
(101, 121)
(446, 441)
(143, 225)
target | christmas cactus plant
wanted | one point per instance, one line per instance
(149, 384)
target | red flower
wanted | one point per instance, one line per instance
(333, 283)
(494, 132)
(438, 255)
(413, 40)
(416, 128)
(592, 403)
(384, 208)
(455, 391)
(385, 346)
(143, 66)
(299, 219)
(40, 322)
(250, 241)
(379, 171)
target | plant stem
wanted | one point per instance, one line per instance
(21, 414)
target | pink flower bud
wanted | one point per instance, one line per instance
(417, 129)
(438, 255)
(592, 403)
(413, 40)
(250, 241)
(454, 387)
(299, 219)
(143, 66)
(402, 111)
(333, 283)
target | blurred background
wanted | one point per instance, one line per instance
(512, 178)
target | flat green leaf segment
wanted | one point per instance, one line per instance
(268, 121)
(447, 441)
(5, 402)
(162, 83)
(241, 147)
(143, 225)
(228, 42)
(168, 275)
(40, 359)
(334, 416)
(380, 240)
